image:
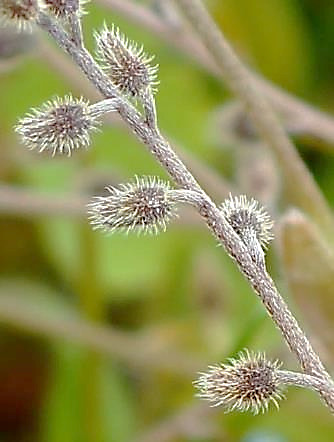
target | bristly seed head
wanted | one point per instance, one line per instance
(59, 126)
(145, 205)
(125, 62)
(248, 217)
(62, 8)
(20, 13)
(245, 384)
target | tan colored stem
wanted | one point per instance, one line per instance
(129, 348)
(18, 201)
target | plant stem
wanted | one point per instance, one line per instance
(129, 348)
(257, 275)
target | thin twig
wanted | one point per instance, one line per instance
(299, 114)
(29, 203)
(295, 379)
(134, 350)
(222, 230)
(304, 118)
(18, 201)
(305, 381)
(299, 183)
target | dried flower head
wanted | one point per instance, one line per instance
(247, 218)
(248, 383)
(146, 205)
(62, 8)
(58, 126)
(20, 13)
(125, 62)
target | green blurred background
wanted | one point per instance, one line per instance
(101, 336)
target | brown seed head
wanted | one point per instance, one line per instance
(125, 62)
(245, 384)
(58, 126)
(146, 206)
(62, 8)
(20, 13)
(247, 217)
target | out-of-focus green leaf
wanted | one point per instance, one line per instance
(118, 405)
(89, 400)
(61, 241)
(61, 420)
(272, 34)
(134, 263)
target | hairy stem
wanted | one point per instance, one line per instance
(306, 381)
(302, 380)
(76, 29)
(162, 151)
